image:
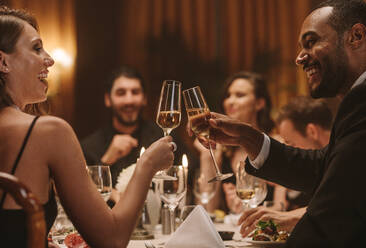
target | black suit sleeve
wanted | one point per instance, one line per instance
(294, 168)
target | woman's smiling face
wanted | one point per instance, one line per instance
(240, 102)
(27, 68)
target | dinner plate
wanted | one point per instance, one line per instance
(264, 244)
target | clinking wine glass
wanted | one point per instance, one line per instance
(101, 176)
(251, 190)
(169, 112)
(172, 191)
(199, 115)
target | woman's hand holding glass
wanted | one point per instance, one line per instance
(169, 112)
(158, 156)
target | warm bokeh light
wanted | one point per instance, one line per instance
(184, 161)
(62, 57)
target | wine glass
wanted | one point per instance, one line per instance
(251, 190)
(101, 176)
(169, 112)
(202, 189)
(198, 115)
(172, 191)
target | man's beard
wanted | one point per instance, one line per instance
(335, 72)
(116, 114)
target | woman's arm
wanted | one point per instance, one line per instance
(99, 225)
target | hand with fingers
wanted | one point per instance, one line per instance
(232, 200)
(159, 155)
(121, 146)
(227, 131)
(286, 221)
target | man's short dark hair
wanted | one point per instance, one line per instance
(345, 14)
(304, 110)
(123, 71)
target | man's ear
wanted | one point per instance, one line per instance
(357, 35)
(107, 100)
(260, 104)
(3, 64)
(312, 131)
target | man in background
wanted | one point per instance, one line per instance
(119, 143)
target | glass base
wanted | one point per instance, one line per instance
(220, 177)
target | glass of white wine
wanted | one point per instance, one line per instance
(198, 115)
(169, 111)
(172, 191)
(251, 190)
(101, 176)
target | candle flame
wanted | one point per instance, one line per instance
(142, 151)
(184, 161)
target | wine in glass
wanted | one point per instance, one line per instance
(198, 116)
(169, 113)
(251, 190)
(101, 176)
(172, 191)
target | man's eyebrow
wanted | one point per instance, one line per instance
(305, 35)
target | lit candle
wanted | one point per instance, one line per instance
(185, 168)
(141, 152)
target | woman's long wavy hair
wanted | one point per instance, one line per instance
(264, 120)
(11, 27)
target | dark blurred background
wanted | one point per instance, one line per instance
(199, 42)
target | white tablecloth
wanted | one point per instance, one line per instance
(159, 240)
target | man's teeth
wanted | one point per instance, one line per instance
(311, 71)
(42, 75)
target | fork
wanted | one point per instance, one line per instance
(148, 244)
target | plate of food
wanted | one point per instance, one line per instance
(266, 234)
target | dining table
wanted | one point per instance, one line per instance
(160, 239)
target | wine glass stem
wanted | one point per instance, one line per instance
(166, 132)
(172, 220)
(245, 205)
(213, 158)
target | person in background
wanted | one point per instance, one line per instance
(332, 53)
(118, 144)
(246, 99)
(42, 151)
(304, 123)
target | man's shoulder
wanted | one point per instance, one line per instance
(96, 137)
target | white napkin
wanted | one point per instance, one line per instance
(196, 231)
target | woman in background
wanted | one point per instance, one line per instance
(44, 150)
(246, 99)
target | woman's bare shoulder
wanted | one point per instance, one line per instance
(53, 125)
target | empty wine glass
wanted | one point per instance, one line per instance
(198, 115)
(251, 190)
(169, 111)
(172, 191)
(202, 189)
(101, 176)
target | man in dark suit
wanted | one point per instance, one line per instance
(333, 55)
